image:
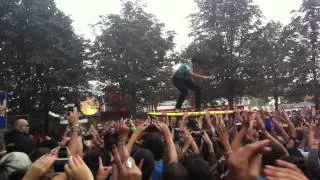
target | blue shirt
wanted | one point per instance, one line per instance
(181, 73)
(157, 171)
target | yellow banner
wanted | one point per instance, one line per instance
(202, 113)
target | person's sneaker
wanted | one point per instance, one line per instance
(177, 110)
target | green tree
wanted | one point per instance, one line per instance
(131, 52)
(271, 65)
(41, 57)
(306, 25)
(222, 31)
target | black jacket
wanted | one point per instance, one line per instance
(19, 142)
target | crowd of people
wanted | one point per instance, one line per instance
(243, 145)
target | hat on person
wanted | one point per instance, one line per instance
(13, 162)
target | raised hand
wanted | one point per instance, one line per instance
(222, 133)
(313, 127)
(245, 163)
(260, 122)
(171, 150)
(285, 114)
(77, 169)
(163, 128)
(142, 127)
(136, 136)
(185, 116)
(125, 166)
(188, 139)
(93, 130)
(123, 131)
(311, 140)
(64, 141)
(208, 141)
(313, 112)
(238, 115)
(41, 166)
(74, 117)
(207, 116)
(206, 138)
(103, 171)
(246, 120)
(223, 136)
(284, 170)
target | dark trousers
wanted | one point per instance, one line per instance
(184, 85)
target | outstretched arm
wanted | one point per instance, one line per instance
(75, 143)
(236, 143)
(172, 152)
(269, 136)
(288, 121)
(279, 126)
(136, 135)
(311, 141)
(196, 75)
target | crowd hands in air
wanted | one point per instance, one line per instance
(246, 145)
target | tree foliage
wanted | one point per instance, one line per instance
(306, 24)
(132, 52)
(42, 60)
(272, 66)
(247, 58)
(41, 56)
(223, 31)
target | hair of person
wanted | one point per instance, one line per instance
(37, 153)
(92, 159)
(174, 171)
(155, 145)
(205, 152)
(295, 152)
(51, 144)
(196, 60)
(148, 162)
(218, 148)
(17, 175)
(300, 162)
(198, 168)
(270, 158)
(246, 141)
(135, 148)
(109, 140)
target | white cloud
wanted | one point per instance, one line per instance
(173, 13)
(86, 12)
(278, 10)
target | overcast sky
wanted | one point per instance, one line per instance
(171, 12)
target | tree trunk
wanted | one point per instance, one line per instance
(46, 119)
(316, 99)
(275, 95)
(315, 82)
(231, 93)
(133, 102)
(231, 101)
(314, 38)
(46, 108)
(276, 104)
